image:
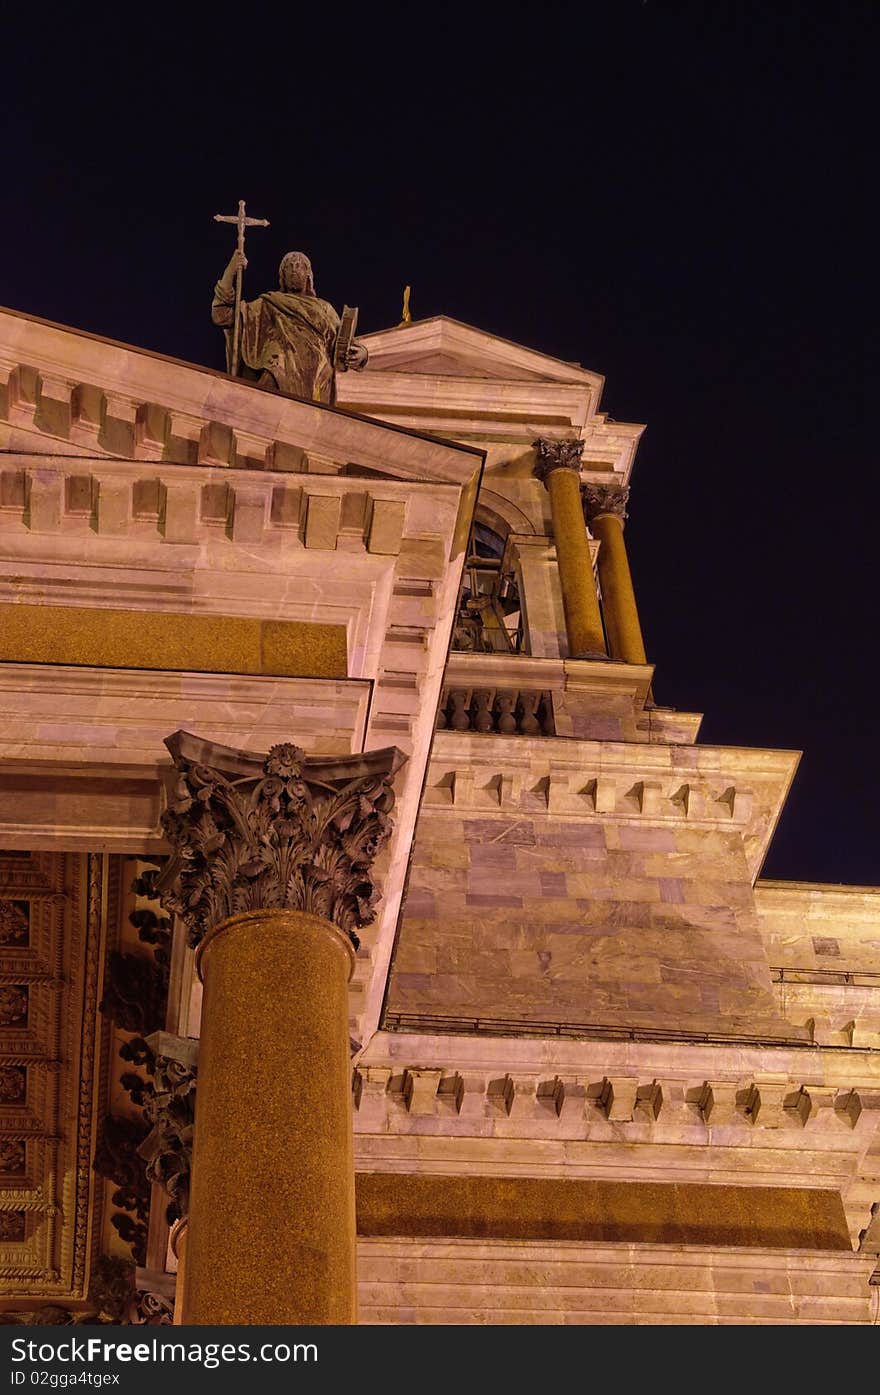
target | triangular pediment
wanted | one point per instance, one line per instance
(445, 348)
(67, 392)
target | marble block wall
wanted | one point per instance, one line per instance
(589, 923)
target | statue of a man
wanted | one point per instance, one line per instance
(287, 338)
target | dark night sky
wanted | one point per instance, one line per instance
(674, 195)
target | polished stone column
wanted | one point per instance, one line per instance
(271, 871)
(557, 464)
(605, 510)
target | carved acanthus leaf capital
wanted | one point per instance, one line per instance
(282, 831)
(553, 455)
(605, 498)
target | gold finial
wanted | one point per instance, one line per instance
(407, 313)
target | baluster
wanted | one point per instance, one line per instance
(506, 702)
(528, 722)
(443, 711)
(482, 709)
(460, 719)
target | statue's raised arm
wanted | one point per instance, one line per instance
(288, 339)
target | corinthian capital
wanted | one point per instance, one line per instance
(282, 831)
(605, 498)
(556, 455)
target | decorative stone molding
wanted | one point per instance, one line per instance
(558, 791)
(117, 1158)
(604, 498)
(170, 502)
(279, 831)
(170, 1108)
(553, 455)
(135, 993)
(381, 1094)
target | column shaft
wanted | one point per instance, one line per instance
(618, 596)
(271, 1235)
(583, 620)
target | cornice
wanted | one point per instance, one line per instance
(63, 385)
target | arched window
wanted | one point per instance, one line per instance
(489, 617)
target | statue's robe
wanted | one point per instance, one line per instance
(286, 341)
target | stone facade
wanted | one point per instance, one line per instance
(602, 1073)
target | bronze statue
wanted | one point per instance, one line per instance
(289, 340)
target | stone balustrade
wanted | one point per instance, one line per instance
(504, 711)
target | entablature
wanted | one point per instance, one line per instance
(732, 788)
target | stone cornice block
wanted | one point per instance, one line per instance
(179, 510)
(44, 509)
(54, 405)
(385, 529)
(113, 511)
(617, 1098)
(420, 1090)
(151, 431)
(118, 424)
(323, 513)
(251, 504)
(371, 1086)
(250, 452)
(87, 407)
(19, 384)
(869, 1238)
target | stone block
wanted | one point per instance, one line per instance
(618, 1098)
(249, 514)
(178, 519)
(113, 505)
(118, 425)
(386, 526)
(322, 521)
(45, 504)
(420, 1090)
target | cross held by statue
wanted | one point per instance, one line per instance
(241, 221)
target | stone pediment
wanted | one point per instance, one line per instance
(447, 348)
(445, 377)
(66, 392)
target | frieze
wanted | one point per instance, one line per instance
(279, 831)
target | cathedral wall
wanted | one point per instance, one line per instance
(518, 1283)
(822, 944)
(605, 923)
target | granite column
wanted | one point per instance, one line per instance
(605, 509)
(272, 874)
(557, 465)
